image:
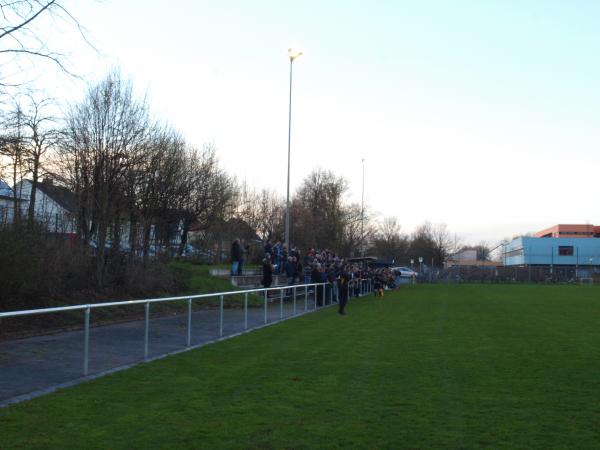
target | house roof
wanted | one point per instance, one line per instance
(60, 194)
(5, 190)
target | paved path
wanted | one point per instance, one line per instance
(32, 365)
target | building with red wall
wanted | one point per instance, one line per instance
(570, 231)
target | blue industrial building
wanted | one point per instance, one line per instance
(542, 251)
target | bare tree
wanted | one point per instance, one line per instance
(431, 242)
(389, 241)
(208, 190)
(157, 187)
(24, 43)
(12, 148)
(318, 213)
(102, 142)
(354, 234)
(271, 209)
(262, 210)
(40, 136)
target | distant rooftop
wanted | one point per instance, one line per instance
(5, 190)
(571, 231)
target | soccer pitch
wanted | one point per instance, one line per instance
(458, 366)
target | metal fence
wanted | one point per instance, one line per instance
(38, 363)
(511, 274)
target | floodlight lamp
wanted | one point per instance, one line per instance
(293, 53)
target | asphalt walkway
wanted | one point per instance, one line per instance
(32, 366)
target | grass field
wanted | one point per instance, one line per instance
(468, 366)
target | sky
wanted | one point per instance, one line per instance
(478, 114)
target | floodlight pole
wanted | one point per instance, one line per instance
(362, 213)
(292, 56)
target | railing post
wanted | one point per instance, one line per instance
(305, 298)
(221, 316)
(86, 342)
(281, 304)
(266, 294)
(189, 324)
(315, 293)
(146, 329)
(324, 296)
(294, 300)
(246, 311)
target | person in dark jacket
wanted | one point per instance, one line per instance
(299, 271)
(236, 256)
(290, 272)
(343, 281)
(267, 267)
(315, 277)
(244, 253)
(268, 247)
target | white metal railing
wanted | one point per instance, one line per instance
(364, 286)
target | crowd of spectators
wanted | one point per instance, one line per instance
(340, 276)
(322, 266)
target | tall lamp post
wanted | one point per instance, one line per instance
(362, 213)
(293, 54)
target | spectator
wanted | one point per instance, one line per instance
(295, 252)
(236, 255)
(277, 255)
(316, 278)
(299, 269)
(268, 248)
(324, 288)
(308, 262)
(343, 287)
(290, 272)
(267, 278)
(245, 250)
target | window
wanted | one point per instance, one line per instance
(565, 250)
(512, 253)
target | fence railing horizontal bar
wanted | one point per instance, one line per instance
(29, 312)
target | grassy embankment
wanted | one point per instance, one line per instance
(188, 279)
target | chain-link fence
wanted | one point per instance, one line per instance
(511, 274)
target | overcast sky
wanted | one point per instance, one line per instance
(479, 114)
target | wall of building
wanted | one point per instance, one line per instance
(6, 210)
(552, 251)
(568, 230)
(47, 211)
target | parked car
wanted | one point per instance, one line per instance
(404, 272)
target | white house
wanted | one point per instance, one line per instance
(6, 203)
(55, 206)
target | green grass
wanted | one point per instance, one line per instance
(467, 366)
(196, 279)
